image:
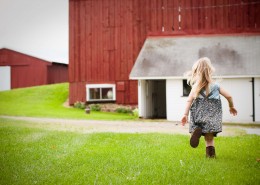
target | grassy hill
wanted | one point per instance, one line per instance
(47, 101)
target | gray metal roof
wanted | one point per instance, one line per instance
(171, 57)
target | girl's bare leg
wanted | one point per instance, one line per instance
(210, 149)
(209, 139)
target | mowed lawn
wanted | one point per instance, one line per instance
(33, 154)
(30, 155)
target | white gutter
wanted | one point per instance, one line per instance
(183, 77)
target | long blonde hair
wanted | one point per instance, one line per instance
(201, 75)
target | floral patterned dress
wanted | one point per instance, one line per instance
(206, 112)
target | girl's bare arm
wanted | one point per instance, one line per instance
(187, 109)
(224, 93)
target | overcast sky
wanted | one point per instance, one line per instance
(35, 27)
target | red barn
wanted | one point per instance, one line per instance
(21, 70)
(106, 37)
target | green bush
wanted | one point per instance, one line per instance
(136, 112)
(79, 105)
(123, 110)
(95, 107)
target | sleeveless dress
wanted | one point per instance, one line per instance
(206, 112)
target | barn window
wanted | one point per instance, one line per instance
(186, 88)
(101, 92)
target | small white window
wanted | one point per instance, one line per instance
(101, 92)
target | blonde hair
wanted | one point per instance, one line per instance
(201, 75)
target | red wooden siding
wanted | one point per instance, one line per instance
(57, 73)
(106, 36)
(27, 71)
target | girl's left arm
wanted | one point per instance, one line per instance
(224, 93)
(184, 119)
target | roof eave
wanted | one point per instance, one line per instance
(183, 77)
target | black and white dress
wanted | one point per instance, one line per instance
(206, 112)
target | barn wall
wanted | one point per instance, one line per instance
(57, 73)
(175, 100)
(3, 57)
(28, 75)
(77, 90)
(27, 71)
(106, 36)
(243, 101)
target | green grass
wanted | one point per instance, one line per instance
(31, 155)
(47, 101)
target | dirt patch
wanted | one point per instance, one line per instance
(66, 104)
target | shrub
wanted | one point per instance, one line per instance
(95, 107)
(79, 105)
(123, 110)
(136, 112)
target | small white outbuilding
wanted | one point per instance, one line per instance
(162, 62)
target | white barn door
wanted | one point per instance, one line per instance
(5, 78)
(145, 98)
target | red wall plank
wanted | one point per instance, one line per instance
(82, 41)
(72, 25)
(77, 92)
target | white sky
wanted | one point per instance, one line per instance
(35, 27)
